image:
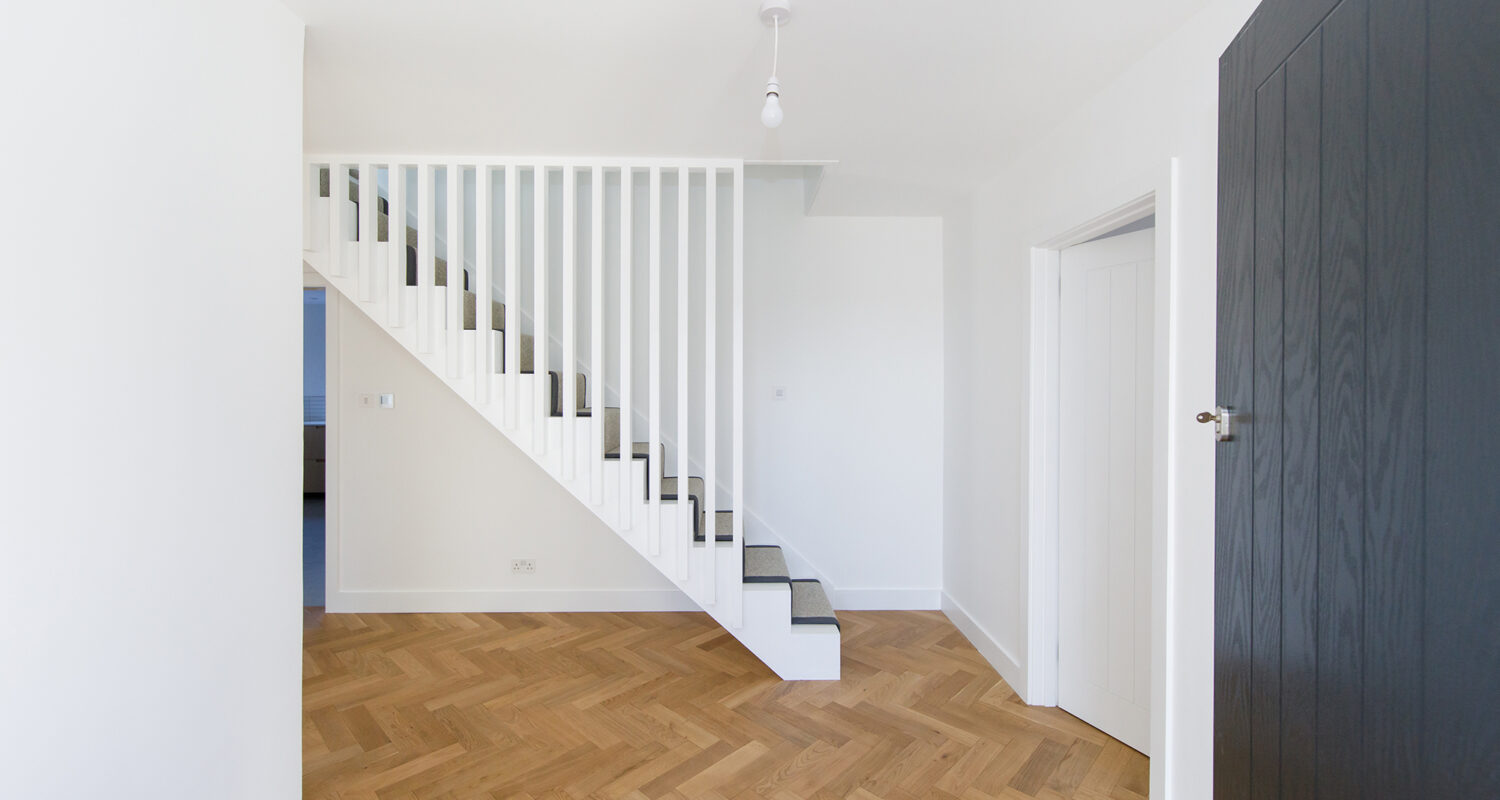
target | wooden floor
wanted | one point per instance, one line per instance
(671, 706)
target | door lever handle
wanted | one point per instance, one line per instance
(1220, 417)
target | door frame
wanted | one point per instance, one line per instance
(1151, 193)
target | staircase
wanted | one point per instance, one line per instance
(560, 370)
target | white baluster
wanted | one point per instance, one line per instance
(738, 561)
(367, 231)
(596, 331)
(627, 495)
(710, 382)
(396, 227)
(311, 194)
(336, 218)
(653, 381)
(684, 331)
(543, 383)
(455, 295)
(426, 221)
(570, 300)
(512, 294)
(484, 365)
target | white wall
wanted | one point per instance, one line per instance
(149, 337)
(845, 313)
(429, 502)
(1111, 149)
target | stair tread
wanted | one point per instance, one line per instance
(766, 565)
(810, 604)
(637, 450)
(497, 313)
(695, 486)
(580, 389)
(723, 528)
(528, 367)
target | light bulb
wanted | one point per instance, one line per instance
(771, 115)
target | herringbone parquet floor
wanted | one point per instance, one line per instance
(670, 706)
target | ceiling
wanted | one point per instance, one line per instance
(917, 102)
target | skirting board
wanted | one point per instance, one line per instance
(887, 599)
(543, 601)
(1009, 669)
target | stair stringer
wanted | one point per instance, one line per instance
(793, 652)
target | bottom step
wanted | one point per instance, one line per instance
(810, 604)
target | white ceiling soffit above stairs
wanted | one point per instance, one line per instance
(917, 111)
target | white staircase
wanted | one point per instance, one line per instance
(567, 256)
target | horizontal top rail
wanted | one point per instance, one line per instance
(523, 161)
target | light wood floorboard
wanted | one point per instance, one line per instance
(533, 706)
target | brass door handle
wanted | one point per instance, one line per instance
(1220, 417)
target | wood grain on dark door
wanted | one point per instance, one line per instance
(1358, 523)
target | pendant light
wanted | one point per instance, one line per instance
(774, 13)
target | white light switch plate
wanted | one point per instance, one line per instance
(387, 401)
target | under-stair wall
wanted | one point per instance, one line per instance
(441, 502)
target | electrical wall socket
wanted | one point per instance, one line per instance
(523, 566)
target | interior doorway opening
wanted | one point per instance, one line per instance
(314, 444)
(1143, 209)
(1105, 477)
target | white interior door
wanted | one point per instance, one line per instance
(1104, 487)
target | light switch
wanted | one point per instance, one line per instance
(778, 393)
(367, 401)
(387, 401)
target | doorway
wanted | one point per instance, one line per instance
(1143, 206)
(1105, 481)
(314, 444)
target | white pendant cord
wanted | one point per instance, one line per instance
(776, 48)
(771, 114)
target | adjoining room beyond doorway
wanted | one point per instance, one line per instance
(314, 428)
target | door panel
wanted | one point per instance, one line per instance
(1298, 420)
(1104, 496)
(1265, 551)
(1358, 520)
(1460, 708)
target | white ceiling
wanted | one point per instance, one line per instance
(917, 101)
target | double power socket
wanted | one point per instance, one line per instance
(523, 566)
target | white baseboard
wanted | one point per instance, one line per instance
(999, 658)
(887, 599)
(556, 600)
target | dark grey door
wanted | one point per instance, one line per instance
(1358, 524)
